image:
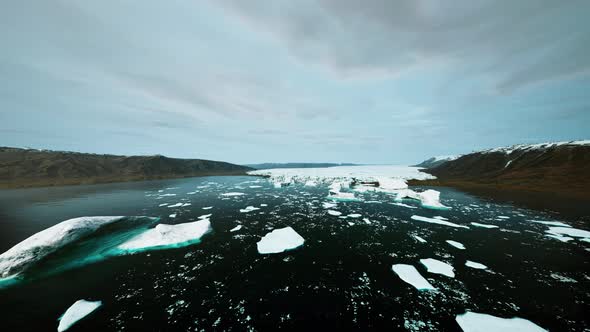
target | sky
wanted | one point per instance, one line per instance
(380, 81)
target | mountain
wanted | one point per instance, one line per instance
(562, 168)
(33, 168)
(297, 165)
(435, 161)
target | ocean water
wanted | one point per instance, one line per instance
(340, 279)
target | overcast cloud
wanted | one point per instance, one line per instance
(335, 80)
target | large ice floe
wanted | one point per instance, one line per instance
(476, 322)
(168, 236)
(75, 312)
(428, 199)
(568, 233)
(437, 221)
(435, 266)
(409, 274)
(279, 240)
(45, 242)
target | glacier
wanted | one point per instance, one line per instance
(75, 312)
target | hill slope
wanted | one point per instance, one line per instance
(435, 161)
(562, 168)
(32, 168)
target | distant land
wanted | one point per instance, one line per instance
(561, 168)
(435, 161)
(37, 168)
(297, 165)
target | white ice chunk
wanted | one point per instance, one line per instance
(437, 221)
(235, 229)
(419, 239)
(475, 265)
(334, 213)
(503, 217)
(207, 208)
(230, 194)
(175, 205)
(164, 235)
(249, 209)
(43, 243)
(550, 223)
(172, 215)
(354, 215)
(409, 274)
(570, 231)
(77, 311)
(340, 196)
(456, 244)
(279, 240)
(436, 266)
(475, 322)
(483, 225)
(328, 205)
(405, 205)
(311, 183)
(205, 216)
(429, 198)
(560, 237)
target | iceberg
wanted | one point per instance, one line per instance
(168, 236)
(429, 199)
(409, 274)
(437, 221)
(279, 240)
(249, 209)
(483, 225)
(456, 244)
(77, 311)
(435, 266)
(475, 265)
(45, 242)
(476, 322)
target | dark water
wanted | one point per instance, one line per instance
(341, 279)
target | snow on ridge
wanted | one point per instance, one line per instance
(538, 146)
(446, 158)
(476, 322)
(75, 312)
(47, 241)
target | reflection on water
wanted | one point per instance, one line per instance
(340, 279)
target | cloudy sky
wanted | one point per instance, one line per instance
(378, 81)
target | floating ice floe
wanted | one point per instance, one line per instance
(235, 229)
(435, 266)
(419, 239)
(560, 232)
(354, 215)
(328, 205)
(429, 199)
(255, 186)
(175, 205)
(456, 244)
(249, 209)
(311, 183)
(47, 241)
(231, 194)
(77, 311)
(484, 225)
(334, 213)
(437, 221)
(163, 204)
(168, 236)
(279, 240)
(550, 223)
(172, 215)
(207, 208)
(560, 237)
(205, 216)
(476, 322)
(475, 265)
(405, 205)
(503, 217)
(409, 274)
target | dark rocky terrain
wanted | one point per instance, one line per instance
(558, 168)
(34, 168)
